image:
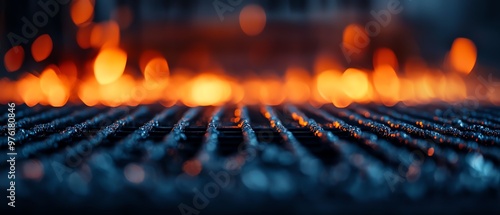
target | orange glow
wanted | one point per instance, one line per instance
(386, 83)
(146, 57)
(14, 58)
(328, 84)
(108, 80)
(9, 93)
(81, 11)
(105, 34)
(252, 19)
(385, 56)
(41, 47)
(192, 167)
(69, 73)
(53, 87)
(297, 85)
(88, 92)
(430, 151)
(463, 55)
(109, 65)
(29, 90)
(251, 88)
(325, 61)
(354, 35)
(355, 83)
(117, 92)
(271, 92)
(208, 89)
(157, 71)
(83, 36)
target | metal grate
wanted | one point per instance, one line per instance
(281, 158)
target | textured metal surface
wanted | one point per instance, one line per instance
(288, 158)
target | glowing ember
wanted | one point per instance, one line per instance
(386, 84)
(83, 36)
(41, 47)
(82, 11)
(29, 90)
(105, 34)
(463, 55)
(109, 65)
(355, 83)
(156, 71)
(209, 89)
(385, 56)
(53, 88)
(252, 19)
(14, 58)
(113, 83)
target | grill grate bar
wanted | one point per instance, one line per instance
(451, 141)
(211, 139)
(378, 146)
(24, 111)
(445, 130)
(78, 130)
(450, 123)
(249, 137)
(399, 137)
(309, 164)
(131, 142)
(172, 140)
(43, 117)
(337, 152)
(51, 127)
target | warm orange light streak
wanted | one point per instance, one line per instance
(252, 19)
(109, 65)
(463, 55)
(14, 58)
(41, 47)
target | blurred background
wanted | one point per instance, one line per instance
(196, 33)
(265, 51)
